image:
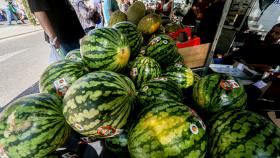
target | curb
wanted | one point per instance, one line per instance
(20, 34)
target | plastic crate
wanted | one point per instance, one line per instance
(191, 41)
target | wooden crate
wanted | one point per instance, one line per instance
(195, 56)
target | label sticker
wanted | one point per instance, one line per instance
(134, 72)
(79, 127)
(70, 155)
(229, 84)
(165, 42)
(178, 65)
(61, 86)
(194, 129)
(161, 79)
(145, 88)
(108, 131)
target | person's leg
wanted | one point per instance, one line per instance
(9, 16)
(67, 47)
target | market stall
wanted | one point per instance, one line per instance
(143, 88)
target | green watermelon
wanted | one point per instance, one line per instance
(117, 144)
(164, 50)
(136, 12)
(217, 92)
(159, 90)
(99, 103)
(180, 74)
(105, 49)
(149, 24)
(117, 16)
(134, 37)
(240, 133)
(59, 76)
(74, 55)
(171, 27)
(168, 129)
(143, 69)
(32, 126)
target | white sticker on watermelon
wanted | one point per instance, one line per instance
(165, 42)
(194, 129)
(108, 131)
(161, 79)
(134, 72)
(178, 65)
(79, 127)
(145, 88)
(70, 155)
(61, 86)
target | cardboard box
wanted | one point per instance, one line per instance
(195, 56)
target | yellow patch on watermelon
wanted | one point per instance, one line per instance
(165, 127)
(154, 27)
(123, 56)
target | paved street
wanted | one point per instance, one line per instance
(23, 57)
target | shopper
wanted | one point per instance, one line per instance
(85, 15)
(97, 5)
(109, 7)
(59, 21)
(260, 54)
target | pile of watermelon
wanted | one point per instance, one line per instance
(139, 98)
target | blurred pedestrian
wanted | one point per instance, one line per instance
(85, 15)
(60, 23)
(97, 5)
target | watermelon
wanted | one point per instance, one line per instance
(117, 16)
(136, 12)
(159, 90)
(74, 55)
(168, 129)
(149, 24)
(134, 37)
(59, 76)
(164, 50)
(143, 69)
(239, 133)
(105, 49)
(117, 144)
(98, 102)
(171, 27)
(180, 74)
(217, 92)
(33, 126)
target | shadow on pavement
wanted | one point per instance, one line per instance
(31, 90)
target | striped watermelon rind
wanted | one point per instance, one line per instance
(159, 90)
(212, 98)
(164, 50)
(67, 70)
(105, 49)
(134, 36)
(168, 129)
(240, 133)
(143, 69)
(117, 144)
(97, 100)
(180, 74)
(74, 55)
(33, 126)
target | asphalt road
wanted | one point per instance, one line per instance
(22, 60)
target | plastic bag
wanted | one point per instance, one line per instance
(56, 55)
